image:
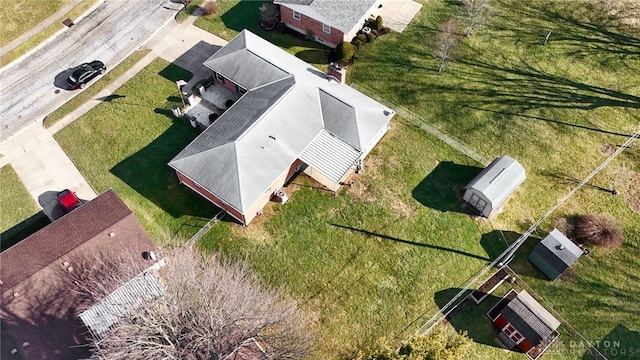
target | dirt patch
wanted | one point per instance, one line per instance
(568, 275)
(402, 208)
(632, 191)
(360, 192)
(606, 149)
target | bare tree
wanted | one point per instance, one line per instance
(446, 40)
(476, 14)
(598, 230)
(209, 310)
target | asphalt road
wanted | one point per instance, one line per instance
(36, 85)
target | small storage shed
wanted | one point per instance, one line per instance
(487, 191)
(554, 254)
(524, 324)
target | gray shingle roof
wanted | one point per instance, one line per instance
(340, 14)
(530, 318)
(240, 155)
(499, 179)
(558, 251)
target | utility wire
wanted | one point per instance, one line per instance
(507, 255)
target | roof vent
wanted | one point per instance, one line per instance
(16, 294)
(272, 137)
(560, 247)
(112, 234)
(25, 344)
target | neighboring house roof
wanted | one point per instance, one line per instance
(288, 110)
(39, 306)
(557, 251)
(142, 289)
(533, 321)
(498, 180)
(340, 14)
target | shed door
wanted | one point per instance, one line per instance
(477, 202)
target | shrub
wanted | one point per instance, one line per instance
(345, 51)
(281, 27)
(374, 32)
(378, 23)
(598, 230)
(370, 37)
(213, 117)
(228, 103)
(385, 30)
(309, 35)
(210, 8)
(357, 43)
(361, 37)
(269, 16)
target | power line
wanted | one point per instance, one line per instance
(507, 255)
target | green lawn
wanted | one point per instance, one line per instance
(14, 193)
(382, 256)
(19, 213)
(126, 143)
(236, 15)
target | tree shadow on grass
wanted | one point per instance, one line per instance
(443, 188)
(585, 30)
(471, 317)
(620, 343)
(147, 172)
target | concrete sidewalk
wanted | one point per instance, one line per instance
(43, 166)
(41, 26)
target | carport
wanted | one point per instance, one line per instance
(487, 191)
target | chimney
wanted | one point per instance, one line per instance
(337, 72)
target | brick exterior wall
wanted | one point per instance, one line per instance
(228, 84)
(306, 23)
(211, 197)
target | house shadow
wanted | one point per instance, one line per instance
(443, 188)
(23, 230)
(619, 343)
(193, 60)
(147, 172)
(522, 266)
(470, 317)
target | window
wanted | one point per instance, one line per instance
(513, 334)
(240, 90)
(326, 28)
(296, 15)
(219, 77)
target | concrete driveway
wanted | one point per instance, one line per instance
(397, 14)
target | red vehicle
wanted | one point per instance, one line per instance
(68, 200)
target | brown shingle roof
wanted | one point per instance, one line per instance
(44, 312)
(62, 236)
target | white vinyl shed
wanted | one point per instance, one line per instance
(487, 191)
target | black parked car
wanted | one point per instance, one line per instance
(85, 73)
